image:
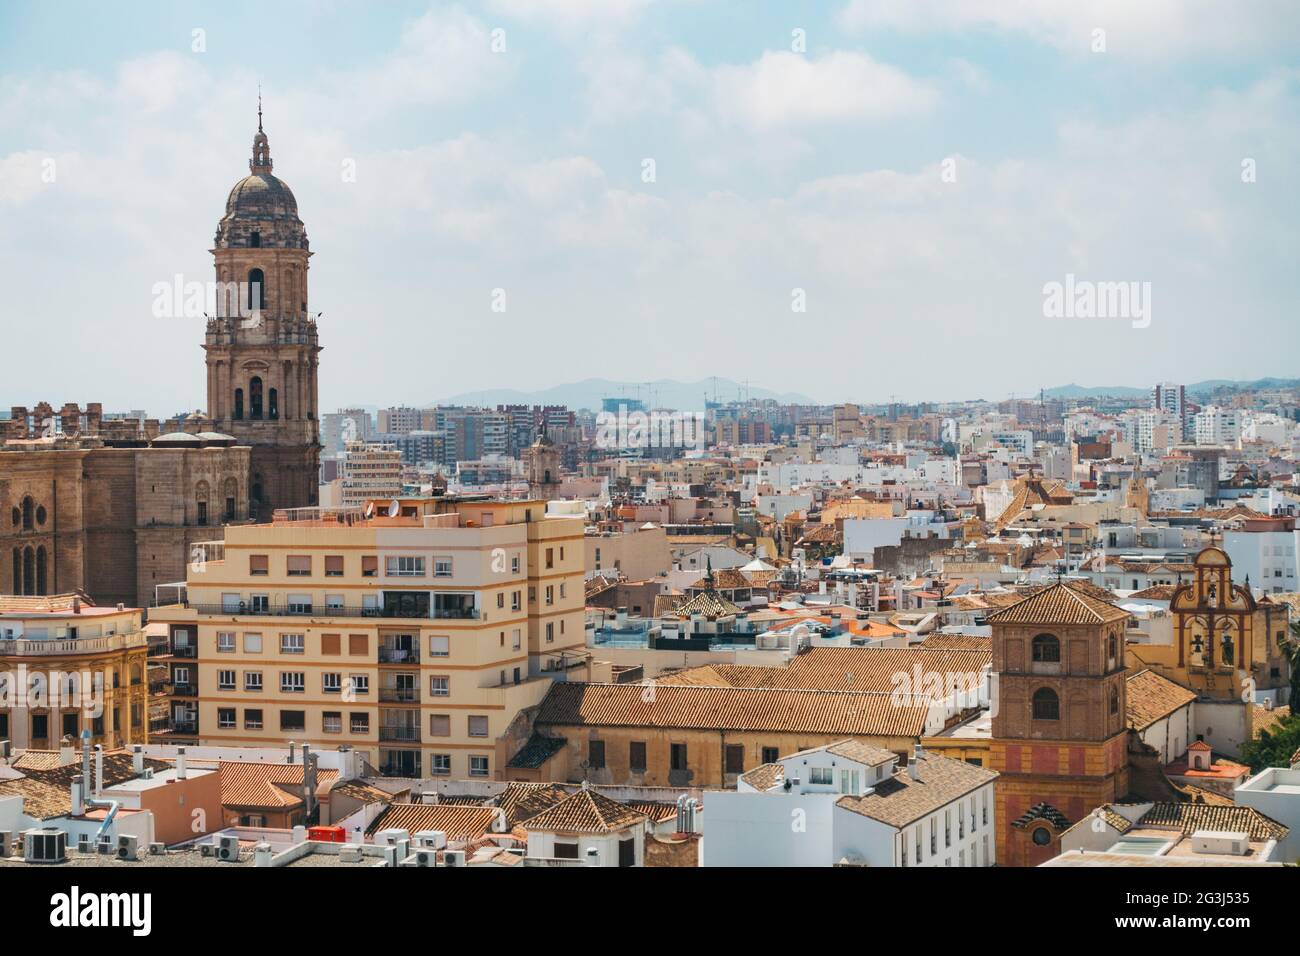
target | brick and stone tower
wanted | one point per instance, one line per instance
(262, 347)
(1059, 740)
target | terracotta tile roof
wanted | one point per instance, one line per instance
(536, 752)
(273, 786)
(1042, 811)
(1059, 604)
(586, 811)
(656, 810)
(864, 754)
(523, 801)
(731, 708)
(1190, 817)
(1080, 585)
(709, 603)
(1268, 719)
(458, 822)
(958, 642)
(1157, 592)
(361, 791)
(1152, 697)
(900, 800)
(765, 776)
(864, 669)
(37, 760)
(49, 604)
(47, 790)
(40, 799)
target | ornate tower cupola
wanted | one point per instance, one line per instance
(262, 345)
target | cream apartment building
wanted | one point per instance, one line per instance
(414, 633)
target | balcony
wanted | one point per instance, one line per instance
(399, 734)
(185, 650)
(21, 647)
(399, 655)
(185, 690)
(399, 695)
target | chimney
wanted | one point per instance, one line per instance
(137, 760)
(78, 801)
(180, 763)
(67, 753)
(912, 769)
(99, 768)
(262, 854)
(292, 749)
(76, 604)
(85, 764)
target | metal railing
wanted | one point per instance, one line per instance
(399, 695)
(388, 732)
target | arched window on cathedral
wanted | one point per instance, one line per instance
(1114, 700)
(1047, 706)
(231, 494)
(201, 503)
(255, 398)
(17, 516)
(239, 404)
(273, 404)
(1047, 649)
(256, 289)
(40, 571)
(28, 508)
(1112, 649)
(17, 585)
(29, 572)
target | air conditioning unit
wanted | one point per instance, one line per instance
(228, 849)
(105, 846)
(128, 848)
(391, 837)
(45, 846)
(207, 849)
(83, 843)
(431, 839)
(157, 849)
(454, 858)
(421, 858)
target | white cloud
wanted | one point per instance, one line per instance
(1134, 28)
(787, 89)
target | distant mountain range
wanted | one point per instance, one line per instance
(664, 393)
(1197, 388)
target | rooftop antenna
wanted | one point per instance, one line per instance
(259, 107)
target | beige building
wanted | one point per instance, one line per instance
(416, 636)
(370, 472)
(637, 555)
(67, 666)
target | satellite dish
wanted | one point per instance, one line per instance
(394, 508)
(370, 509)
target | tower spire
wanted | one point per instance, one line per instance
(259, 107)
(261, 161)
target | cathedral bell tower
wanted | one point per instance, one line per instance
(261, 346)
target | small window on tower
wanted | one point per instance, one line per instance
(255, 240)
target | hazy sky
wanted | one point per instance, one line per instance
(775, 169)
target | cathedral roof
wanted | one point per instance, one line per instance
(261, 196)
(1059, 604)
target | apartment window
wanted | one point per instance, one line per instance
(771, 754)
(440, 765)
(330, 644)
(292, 644)
(514, 600)
(360, 684)
(478, 726)
(515, 639)
(501, 600)
(359, 723)
(735, 759)
(298, 565)
(550, 632)
(550, 557)
(566, 850)
(550, 594)
(369, 566)
(333, 565)
(295, 720)
(260, 603)
(299, 603)
(985, 815)
(562, 592)
(358, 645)
(292, 682)
(331, 683)
(404, 566)
(441, 567)
(514, 564)
(225, 680)
(253, 681)
(334, 602)
(478, 766)
(226, 718)
(252, 719)
(821, 776)
(225, 642)
(252, 643)
(636, 755)
(258, 564)
(439, 686)
(439, 646)
(934, 839)
(596, 754)
(332, 722)
(440, 725)
(947, 828)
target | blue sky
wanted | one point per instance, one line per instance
(819, 169)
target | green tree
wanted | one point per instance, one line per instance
(1290, 648)
(1273, 748)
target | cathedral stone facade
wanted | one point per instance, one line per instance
(114, 507)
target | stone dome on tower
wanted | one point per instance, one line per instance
(261, 211)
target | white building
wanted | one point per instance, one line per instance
(1265, 552)
(851, 803)
(590, 828)
(370, 471)
(1216, 426)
